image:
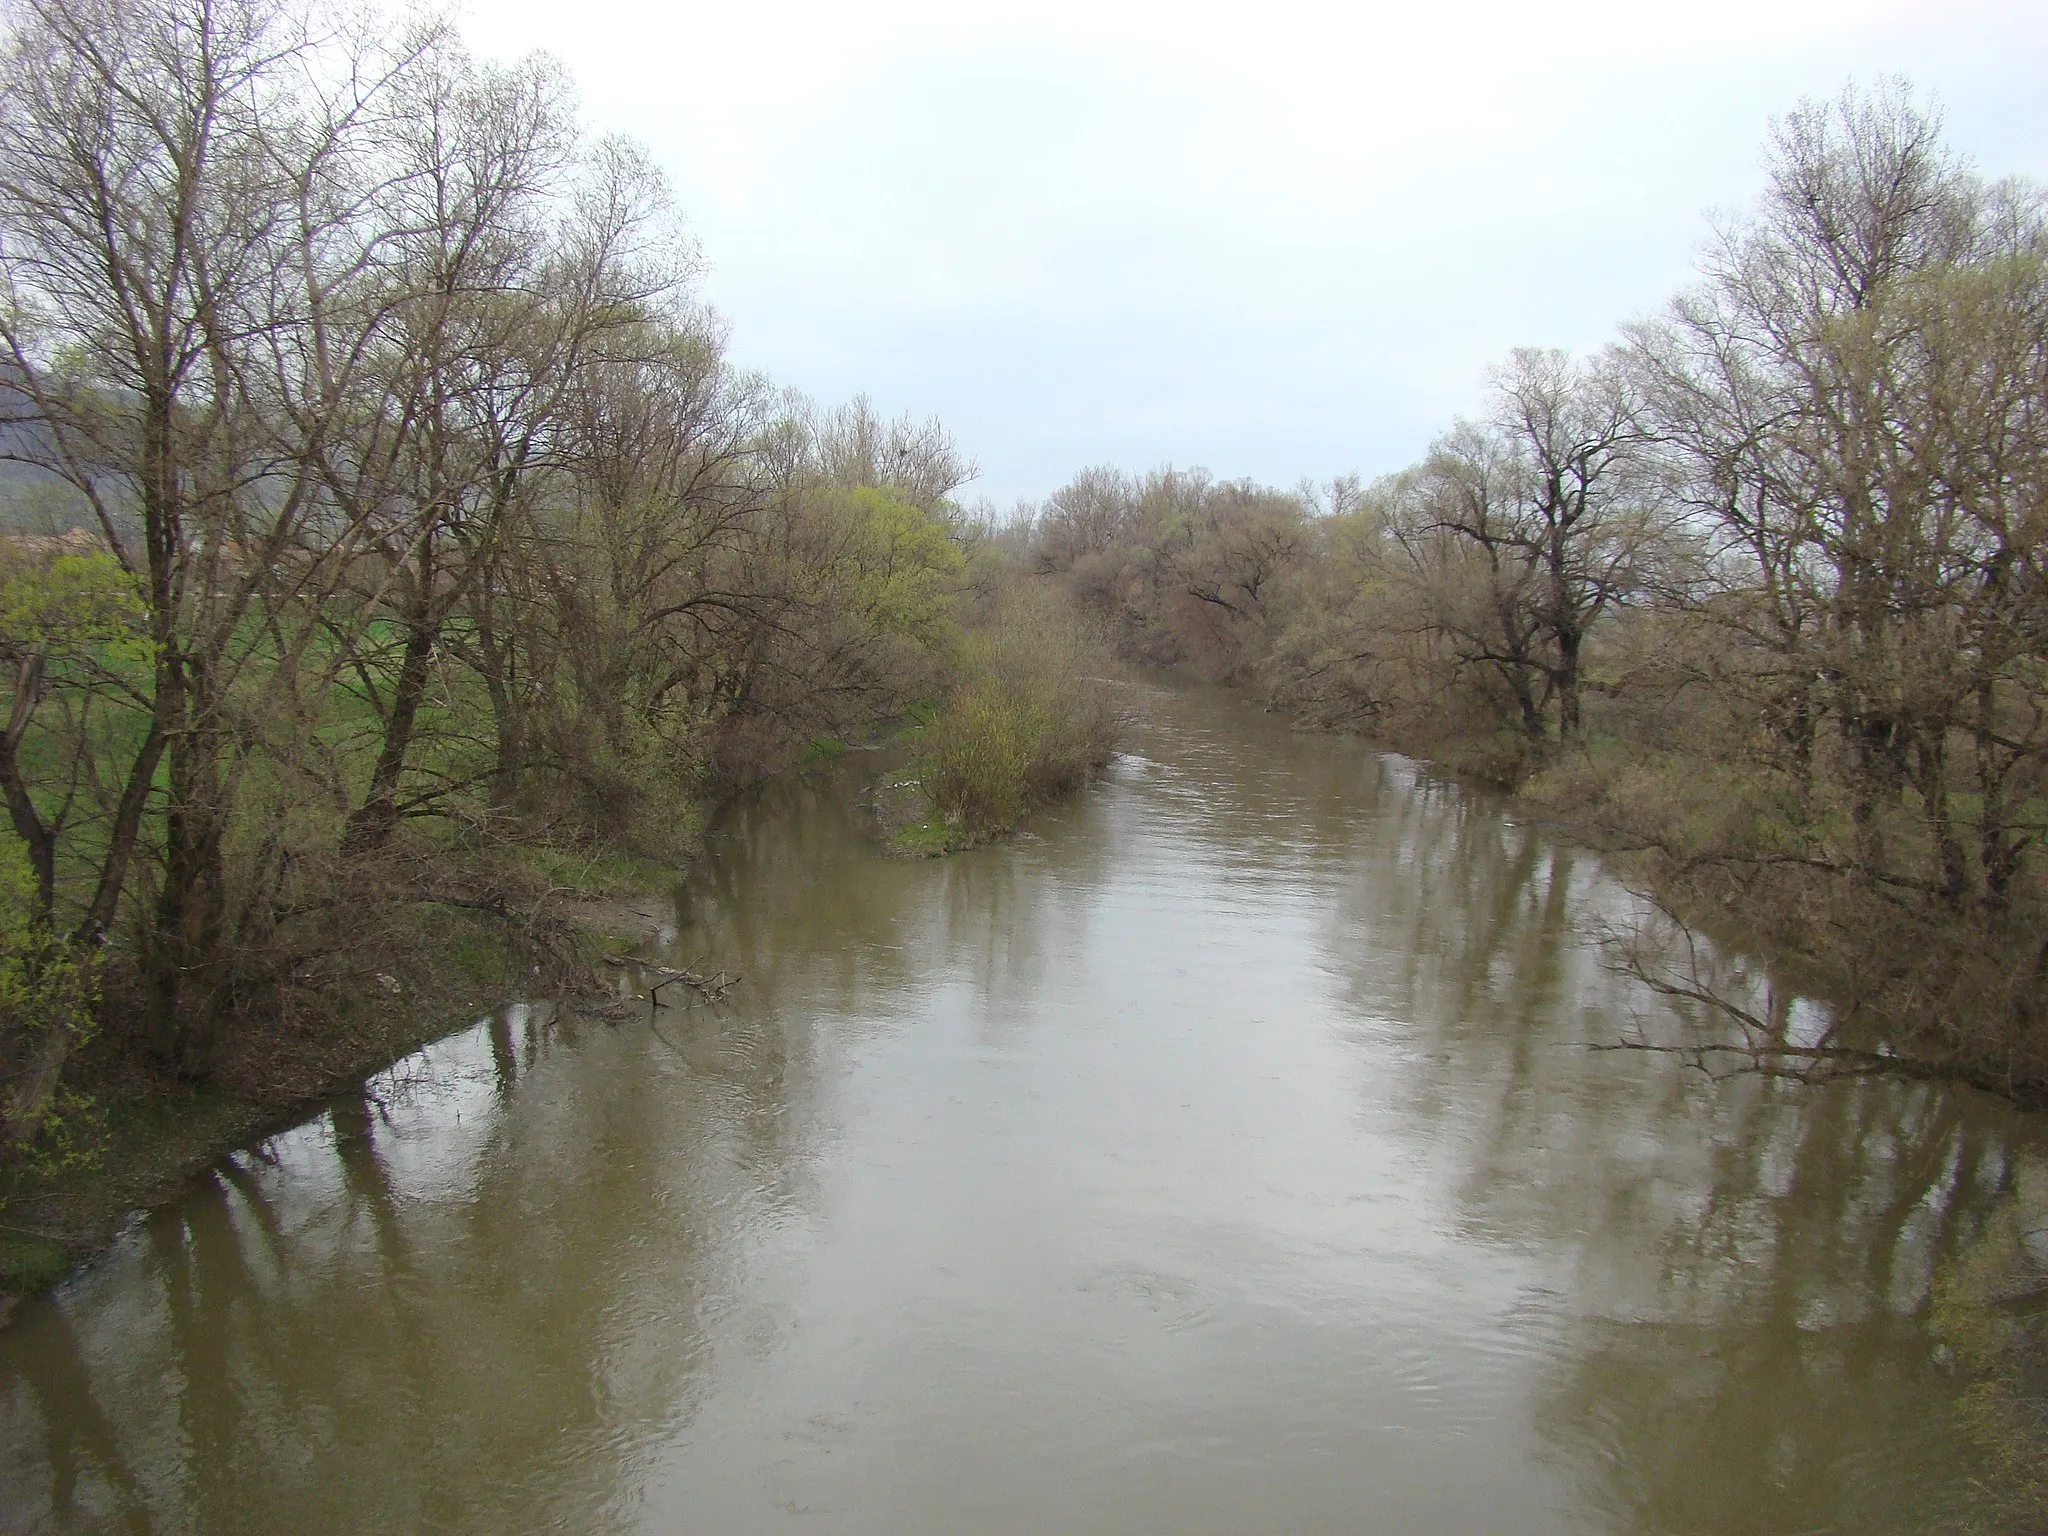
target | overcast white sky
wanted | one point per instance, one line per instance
(1273, 239)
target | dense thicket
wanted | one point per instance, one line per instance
(398, 508)
(1758, 592)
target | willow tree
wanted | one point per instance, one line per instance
(1533, 524)
(1853, 396)
(177, 199)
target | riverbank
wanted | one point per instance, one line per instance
(142, 1134)
(145, 1135)
(1748, 853)
(154, 1134)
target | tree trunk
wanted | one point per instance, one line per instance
(35, 834)
(496, 661)
(1998, 850)
(1569, 642)
(23, 1117)
(185, 944)
(373, 822)
(1531, 711)
(1951, 867)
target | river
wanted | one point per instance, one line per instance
(1224, 1154)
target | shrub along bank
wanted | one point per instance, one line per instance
(1030, 718)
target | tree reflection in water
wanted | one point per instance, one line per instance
(1740, 1268)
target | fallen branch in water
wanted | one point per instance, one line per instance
(1764, 1047)
(1805, 1064)
(712, 988)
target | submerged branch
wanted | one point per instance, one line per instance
(713, 988)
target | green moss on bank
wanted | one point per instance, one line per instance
(931, 838)
(595, 874)
(823, 749)
(29, 1264)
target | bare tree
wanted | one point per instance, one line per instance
(1852, 400)
(1554, 500)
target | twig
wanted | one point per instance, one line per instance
(712, 988)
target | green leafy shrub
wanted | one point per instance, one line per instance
(1030, 719)
(48, 997)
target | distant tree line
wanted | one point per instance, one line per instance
(424, 520)
(1757, 592)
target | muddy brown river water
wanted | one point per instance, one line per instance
(1223, 1155)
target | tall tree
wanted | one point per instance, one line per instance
(1852, 398)
(167, 169)
(1552, 505)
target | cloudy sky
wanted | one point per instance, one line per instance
(1273, 239)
